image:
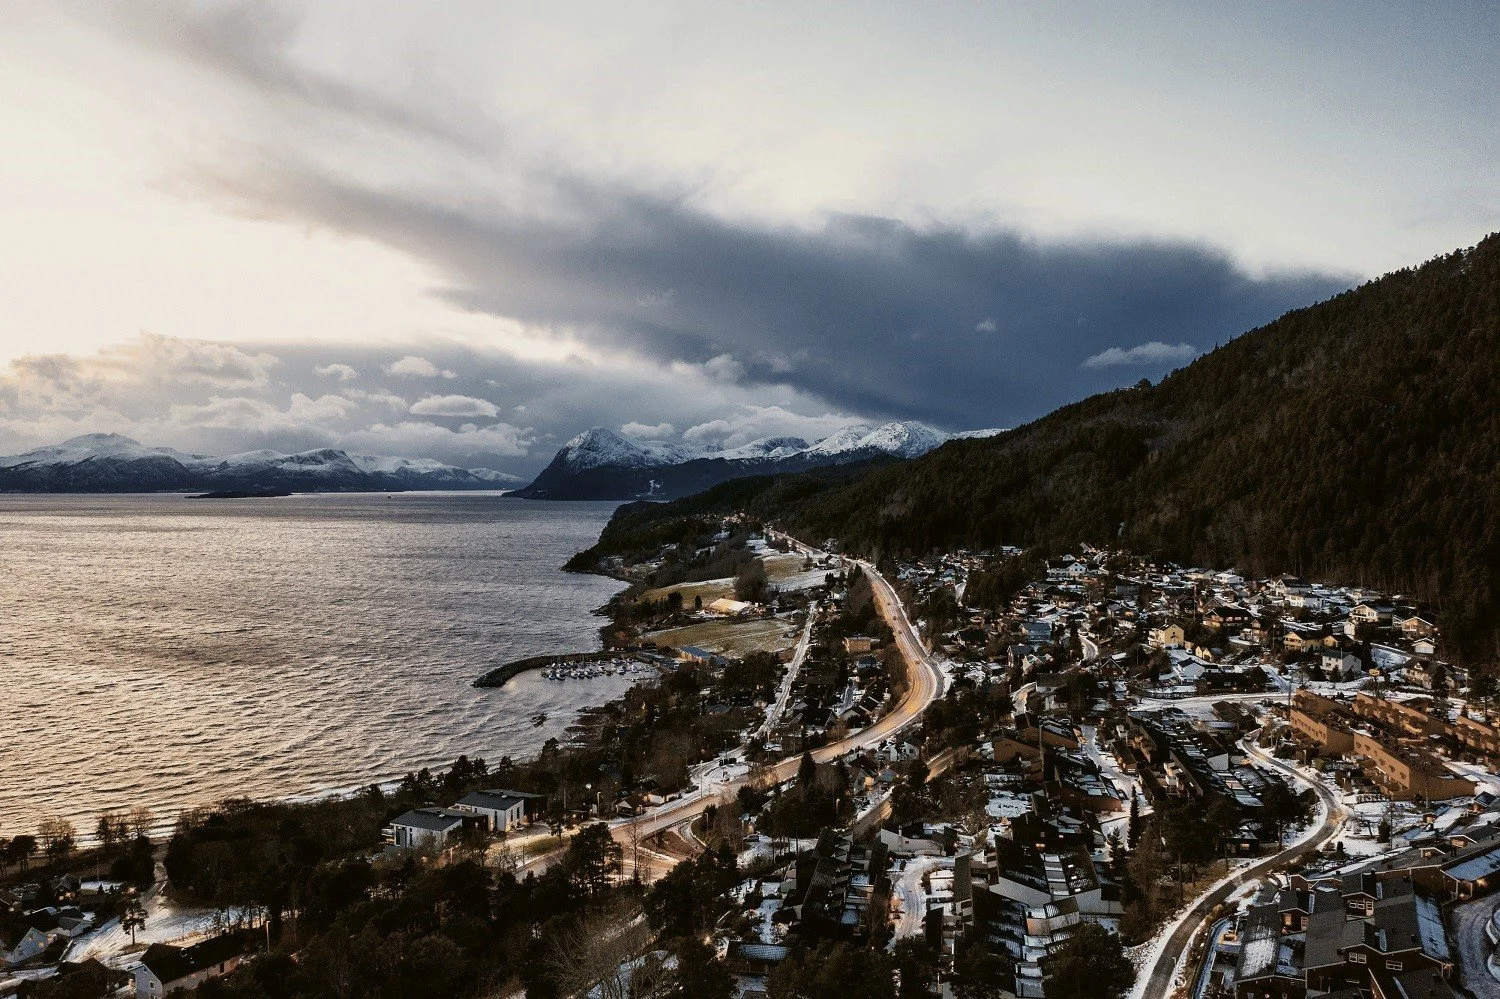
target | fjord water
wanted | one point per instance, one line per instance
(167, 652)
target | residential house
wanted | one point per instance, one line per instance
(501, 809)
(431, 828)
(1167, 637)
(1227, 616)
(32, 943)
(165, 969)
(1402, 933)
(1340, 665)
(1417, 626)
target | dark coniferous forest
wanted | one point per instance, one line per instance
(1356, 440)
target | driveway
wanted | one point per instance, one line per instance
(1471, 947)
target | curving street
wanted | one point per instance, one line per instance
(1159, 982)
(924, 685)
(925, 681)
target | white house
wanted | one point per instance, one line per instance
(1371, 614)
(1340, 663)
(422, 828)
(501, 809)
(165, 969)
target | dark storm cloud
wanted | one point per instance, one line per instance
(961, 328)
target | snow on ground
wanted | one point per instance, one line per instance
(1484, 778)
(1145, 955)
(1110, 768)
(767, 931)
(910, 897)
(759, 848)
(166, 922)
(786, 573)
(1472, 948)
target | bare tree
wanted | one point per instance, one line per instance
(597, 951)
(57, 836)
(140, 819)
(729, 828)
(503, 857)
(633, 831)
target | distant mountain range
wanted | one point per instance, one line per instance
(601, 464)
(110, 463)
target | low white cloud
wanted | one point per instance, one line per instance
(454, 405)
(649, 431)
(725, 368)
(419, 437)
(219, 364)
(380, 396)
(1152, 354)
(412, 366)
(342, 372)
(987, 325)
(147, 362)
(755, 422)
(303, 413)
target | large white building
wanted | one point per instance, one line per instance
(501, 809)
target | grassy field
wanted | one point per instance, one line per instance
(784, 572)
(709, 589)
(731, 637)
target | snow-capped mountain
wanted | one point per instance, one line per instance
(605, 448)
(903, 440)
(604, 464)
(114, 463)
(766, 447)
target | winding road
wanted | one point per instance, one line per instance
(925, 683)
(1159, 983)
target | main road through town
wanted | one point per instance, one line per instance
(1160, 981)
(924, 684)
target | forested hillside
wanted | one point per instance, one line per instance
(1356, 440)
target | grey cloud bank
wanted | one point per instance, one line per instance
(962, 328)
(635, 285)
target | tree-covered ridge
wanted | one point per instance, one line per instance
(1355, 440)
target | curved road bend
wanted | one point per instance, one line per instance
(924, 685)
(925, 682)
(1160, 981)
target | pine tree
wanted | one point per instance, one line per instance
(1133, 830)
(132, 915)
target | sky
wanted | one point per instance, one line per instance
(468, 231)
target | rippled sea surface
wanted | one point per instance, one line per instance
(168, 652)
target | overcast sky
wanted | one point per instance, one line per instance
(470, 230)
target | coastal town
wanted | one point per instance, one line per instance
(1001, 773)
